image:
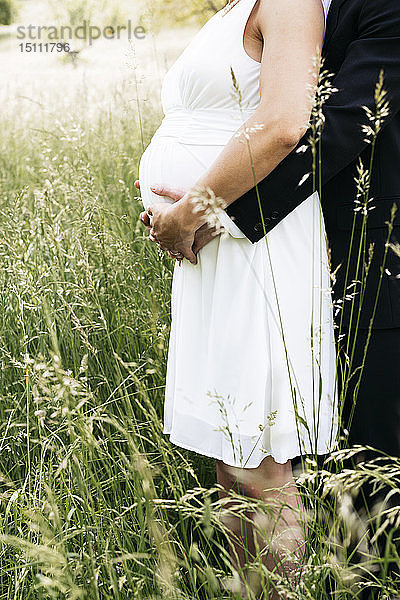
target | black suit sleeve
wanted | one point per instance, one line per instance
(377, 47)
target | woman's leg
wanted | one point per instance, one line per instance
(273, 534)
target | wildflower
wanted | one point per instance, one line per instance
(381, 112)
(395, 248)
(247, 131)
(319, 93)
(236, 94)
(205, 201)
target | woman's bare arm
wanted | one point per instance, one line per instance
(293, 33)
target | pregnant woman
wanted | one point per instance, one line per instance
(251, 364)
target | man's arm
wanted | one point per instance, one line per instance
(377, 47)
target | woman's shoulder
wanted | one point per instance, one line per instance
(289, 11)
(292, 7)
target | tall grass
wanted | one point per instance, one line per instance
(95, 502)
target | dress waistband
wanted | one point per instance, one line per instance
(202, 126)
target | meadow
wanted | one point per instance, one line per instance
(95, 502)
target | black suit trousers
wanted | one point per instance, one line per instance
(375, 423)
(376, 419)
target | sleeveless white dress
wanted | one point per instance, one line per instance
(251, 343)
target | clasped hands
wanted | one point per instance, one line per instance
(177, 228)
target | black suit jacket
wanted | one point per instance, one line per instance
(362, 37)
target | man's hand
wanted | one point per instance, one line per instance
(203, 236)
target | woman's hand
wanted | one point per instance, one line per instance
(203, 235)
(174, 226)
(146, 217)
(174, 194)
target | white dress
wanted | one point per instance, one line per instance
(241, 361)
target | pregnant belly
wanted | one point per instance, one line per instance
(169, 162)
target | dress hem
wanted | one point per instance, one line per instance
(209, 454)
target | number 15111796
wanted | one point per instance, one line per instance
(44, 47)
